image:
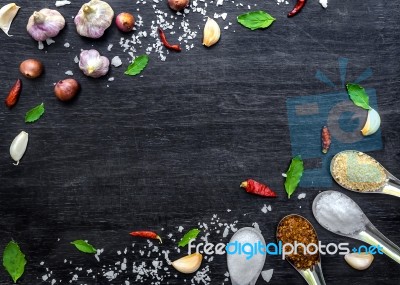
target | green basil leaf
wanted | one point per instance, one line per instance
(358, 95)
(14, 260)
(192, 234)
(256, 20)
(34, 114)
(293, 175)
(84, 246)
(137, 65)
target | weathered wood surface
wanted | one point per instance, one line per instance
(170, 148)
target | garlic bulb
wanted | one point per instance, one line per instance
(188, 264)
(45, 24)
(18, 147)
(7, 15)
(211, 33)
(372, 124)
(359, 261)
(93, 64)
(93, 19)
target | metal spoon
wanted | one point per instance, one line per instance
(366, 233)
(391, 186)
(245, 271)
(313, 275)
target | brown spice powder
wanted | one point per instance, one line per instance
(296, 228)
(358, 171)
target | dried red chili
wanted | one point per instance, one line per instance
(13, 95)
(166, 43)
(299, 5)
(325, 139)
(146, 234)
(257, 188)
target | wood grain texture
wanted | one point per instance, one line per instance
(170, 148)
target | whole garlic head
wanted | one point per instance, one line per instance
(93, 19)
(93, 64)
(45, 24)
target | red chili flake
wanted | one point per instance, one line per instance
(13, 95)
(325, 139)
(146, 234)
(299, 5)
(166, 43)
(257, 188)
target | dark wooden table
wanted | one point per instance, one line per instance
(170, 148)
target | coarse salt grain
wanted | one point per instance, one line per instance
(267, 274)
(301, 196)
(69, 72)
(62, 3)
(324, 3)
(116, 61)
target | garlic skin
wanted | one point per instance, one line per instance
(359, 261)
(45, 24)
(93, 19)
(7, 15)
(211, 33)
(372, 124)
(18, 147)
(188, 264)
(93, 64)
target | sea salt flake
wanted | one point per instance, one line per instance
(267, 274)
(67, 45)
(324, 3)
(69, 72)
(62, 3)
(301, 196)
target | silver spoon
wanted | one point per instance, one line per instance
(313, 275)
(365, 231)
(244, 270)
(391, 185)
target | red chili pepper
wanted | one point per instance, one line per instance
(146, 234)
(257, 188)
(326, 139)
(166, 43)
(299, 5)
(13, 95)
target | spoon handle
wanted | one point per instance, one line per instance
(392, 187)
(374, 237)
(314, 276)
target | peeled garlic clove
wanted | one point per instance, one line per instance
(93, 64)
(7, 15)
(18, 147)
(93, 19)
(372, 124)
(44, 24)
(359, 261)
(211, 33)
(188, 264)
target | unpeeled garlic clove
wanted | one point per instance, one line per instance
(18, 147)
(211, 33)
(359, 261)
(45, 24)
(372, 124)
(93, 19)
(7, 15)
(188, 264)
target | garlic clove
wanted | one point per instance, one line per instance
(18, 147)
(188, 264)
(359, 261)
(7, 15)
(372, 124)
(211, 33)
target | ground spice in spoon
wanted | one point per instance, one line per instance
(358, 171)
(296, 228)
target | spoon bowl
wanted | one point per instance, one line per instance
(243, 269)
(362, 229)
(363, 178)
(312, 275)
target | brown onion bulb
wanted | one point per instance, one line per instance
(66, 89)
(125, 22)
(31, 68)
(178, 5)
